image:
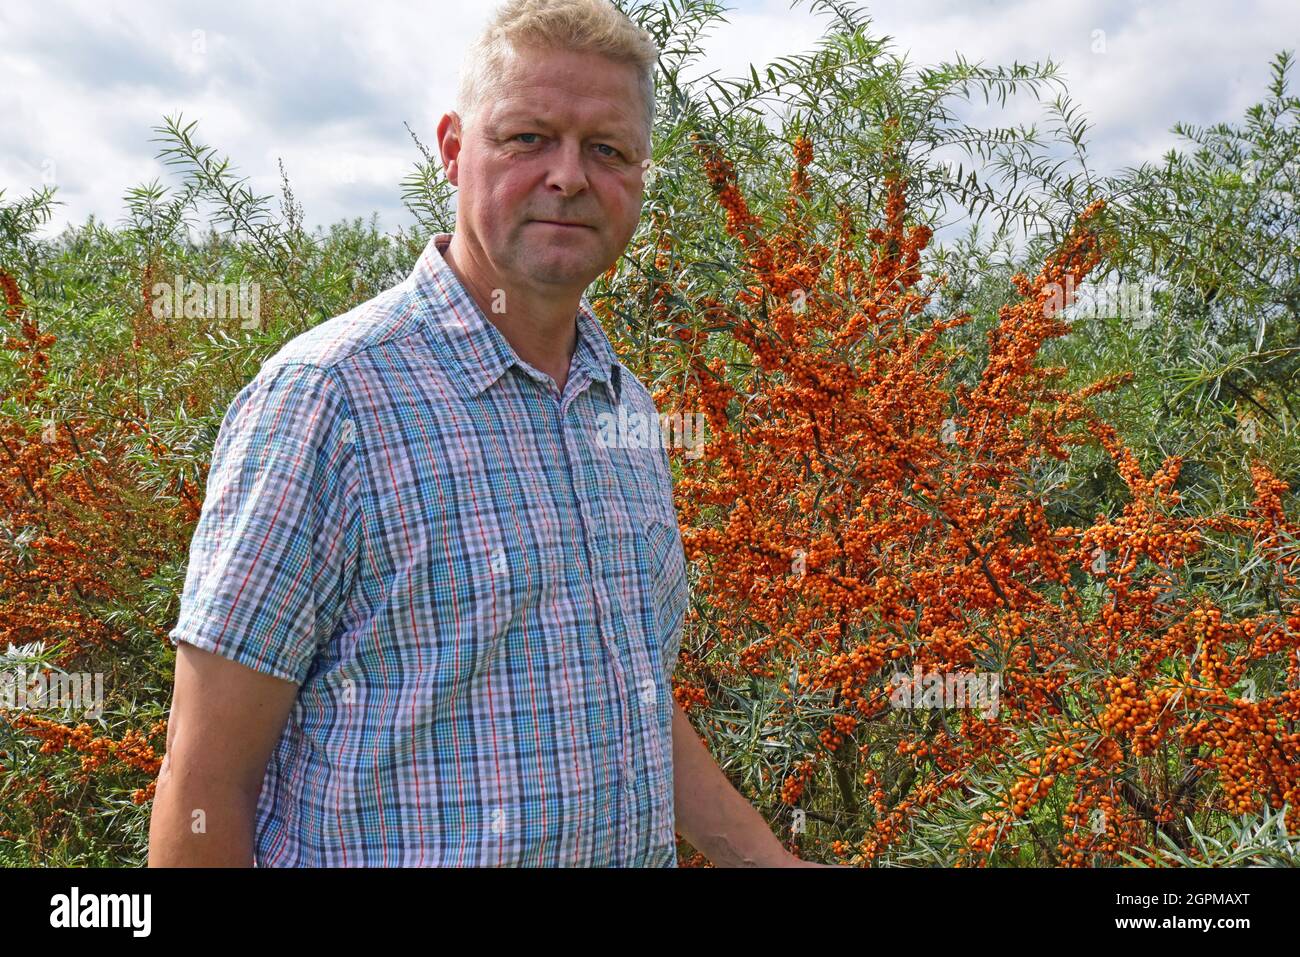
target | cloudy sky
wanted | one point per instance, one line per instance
(326, 85)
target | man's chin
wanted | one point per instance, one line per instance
(563, 267)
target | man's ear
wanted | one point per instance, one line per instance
(449, 144)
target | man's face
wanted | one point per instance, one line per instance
(561, 139)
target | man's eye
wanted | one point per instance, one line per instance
(518, 136)
(612, 152)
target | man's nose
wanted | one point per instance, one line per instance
(566, 173)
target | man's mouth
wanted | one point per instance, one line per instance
(561, 224)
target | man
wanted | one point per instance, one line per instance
(429, 619)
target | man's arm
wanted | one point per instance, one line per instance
(712, 815)
(272, 561)
(225, 720)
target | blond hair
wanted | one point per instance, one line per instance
(582, 26)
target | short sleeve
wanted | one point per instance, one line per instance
(273, 556)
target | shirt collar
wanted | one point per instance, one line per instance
(474, 349)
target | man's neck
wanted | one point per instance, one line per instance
(543, 331)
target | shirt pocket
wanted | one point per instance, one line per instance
(451, 610)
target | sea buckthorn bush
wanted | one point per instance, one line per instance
(839, 539)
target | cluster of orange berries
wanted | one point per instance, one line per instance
(132, 752)
(793, 786)
(13, 296)
(1143, 719)
(689, 696)
(1031, 788)
(842, 725)
(1253, 758)
(31, 345)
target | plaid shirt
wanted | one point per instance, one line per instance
(480, 595)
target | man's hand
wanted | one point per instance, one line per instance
(713, 816)
(792, 861)
(225, 720)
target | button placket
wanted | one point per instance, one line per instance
(643, 527)
(576, 447)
